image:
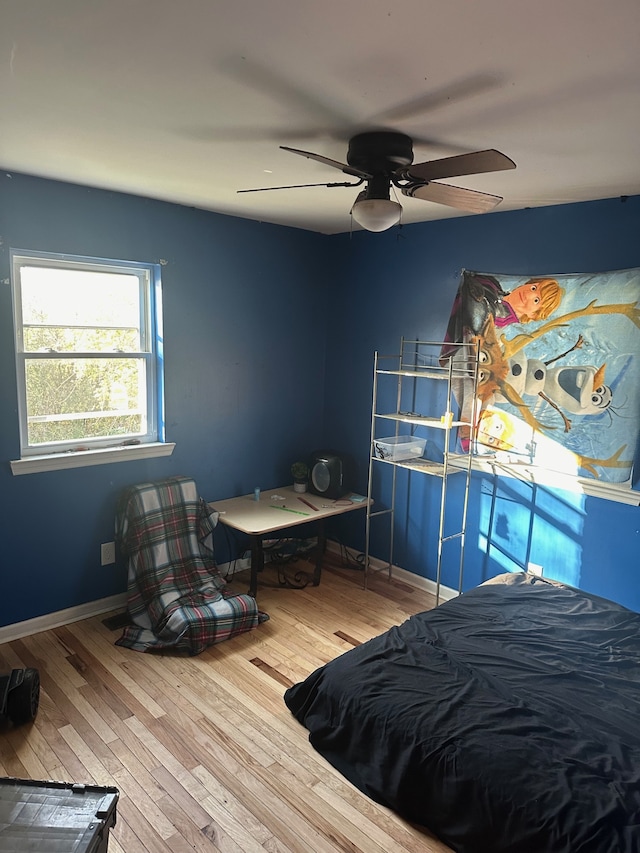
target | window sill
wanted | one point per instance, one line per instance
(84, 458)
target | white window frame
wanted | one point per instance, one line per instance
(94, 451)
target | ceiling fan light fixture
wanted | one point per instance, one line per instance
(376, 214)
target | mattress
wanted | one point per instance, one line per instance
(507, 719)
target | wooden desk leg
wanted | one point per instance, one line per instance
(257, 562)
(322, 546)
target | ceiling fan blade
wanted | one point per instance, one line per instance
(348, 170)
(463, 199)
(301, 186)
(461, 164)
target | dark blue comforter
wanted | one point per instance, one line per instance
(506, 720)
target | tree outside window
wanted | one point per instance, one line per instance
(87, 352)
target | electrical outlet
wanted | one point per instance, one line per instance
(107, 553)
(535, 569)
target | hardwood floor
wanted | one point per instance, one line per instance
(203, 750)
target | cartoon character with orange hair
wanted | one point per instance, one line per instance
(482, 297)
(536, 299)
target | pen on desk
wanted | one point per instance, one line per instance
(308, 503)
(286, 509)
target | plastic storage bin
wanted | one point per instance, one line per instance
(400, 447)
(55, 817)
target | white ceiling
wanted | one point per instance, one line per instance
(189, 100)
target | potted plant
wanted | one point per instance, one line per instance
(300, 474)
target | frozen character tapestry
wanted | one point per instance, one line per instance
(559, 369)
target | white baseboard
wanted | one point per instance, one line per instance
(419, 582)
(62, 617)
(119, 602)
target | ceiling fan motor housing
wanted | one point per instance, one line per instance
(380, 152)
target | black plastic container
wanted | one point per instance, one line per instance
(55, 817)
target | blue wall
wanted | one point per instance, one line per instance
(244, 374)
(269, 340)
(402, 283)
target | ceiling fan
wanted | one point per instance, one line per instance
(383, 158)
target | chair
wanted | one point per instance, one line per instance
(176, 596)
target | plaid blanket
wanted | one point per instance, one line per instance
(176, 596)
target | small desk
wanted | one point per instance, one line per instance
(278, 509)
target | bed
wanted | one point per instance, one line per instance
(507, 719)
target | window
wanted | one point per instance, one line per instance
(88, 353)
